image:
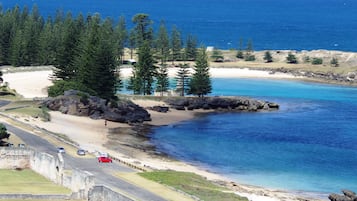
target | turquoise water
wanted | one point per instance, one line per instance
(310, 144)
(271, 24)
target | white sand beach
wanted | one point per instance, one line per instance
(92, 134)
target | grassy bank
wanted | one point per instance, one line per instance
(28, 182)
(192, 184)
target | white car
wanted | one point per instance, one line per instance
(61, 150)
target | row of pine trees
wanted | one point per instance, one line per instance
(86, 50)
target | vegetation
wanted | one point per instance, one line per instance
(239, 54)
(86, 50)
(316, 61)
(291, 59)
(192, 184)
(3, 132)
(217, 55)
(200, 83)
(249, 52)
(267, 57)
(334, 62)
(183, 79)
(27, 181)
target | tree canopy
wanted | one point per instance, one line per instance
(3, 132)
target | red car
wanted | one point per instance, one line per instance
(104, 159)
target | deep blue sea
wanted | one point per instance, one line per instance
(310, 144)
(270, 24)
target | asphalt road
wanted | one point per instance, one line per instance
(101, 171)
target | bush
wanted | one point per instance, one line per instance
(59, 87)
(334, 62)
(316, 61)
(291, 59)
(249, 57)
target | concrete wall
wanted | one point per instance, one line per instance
(12, 158)
(80, 182)
(102, 193)
(51, 167)
(47, 165)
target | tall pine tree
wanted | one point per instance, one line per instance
(200, 83)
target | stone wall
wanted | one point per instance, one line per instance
(51, 167)
(12, 158)
(80, 182)
(47, 165)
(102, 193)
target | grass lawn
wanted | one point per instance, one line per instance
(192, 184)
(28, 182)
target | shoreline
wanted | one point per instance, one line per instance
(136, 155)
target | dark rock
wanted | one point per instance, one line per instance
(347, 196)
(81, 104)
(163, 109)
(336, 197)
(220, 103)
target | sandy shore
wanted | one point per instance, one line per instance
(93, 135)
(227, 73)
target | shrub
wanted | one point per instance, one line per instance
(249, 57)
(291, 59)
(316, 61)
(334, 62)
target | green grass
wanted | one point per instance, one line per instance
(28, 182)
(29, 108)
(192, 184)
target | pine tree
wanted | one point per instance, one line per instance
(47, 47)
(183, 79)
(191, 48)
(121, 38)
(291, 59)
(176, 44)
(96, 62)
(239, 54)
(163, 44)
(141, 82)
(132, 42)
(68, 49)
(267, 57)
(142, 29)
(162, 77)
(200, 83)
(249, 52)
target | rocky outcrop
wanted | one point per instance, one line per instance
(81, 104)
(349, 78)
(347, 196)
(220, 103)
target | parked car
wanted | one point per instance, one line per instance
(104, 159)
(81, 152)
(21, 145)
(61, 150)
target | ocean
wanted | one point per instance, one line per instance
(270, 24)
(310, 144)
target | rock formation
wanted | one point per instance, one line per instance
(81, 104)
(347, 196)
(220, 103)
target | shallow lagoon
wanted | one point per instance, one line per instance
(310, 144)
